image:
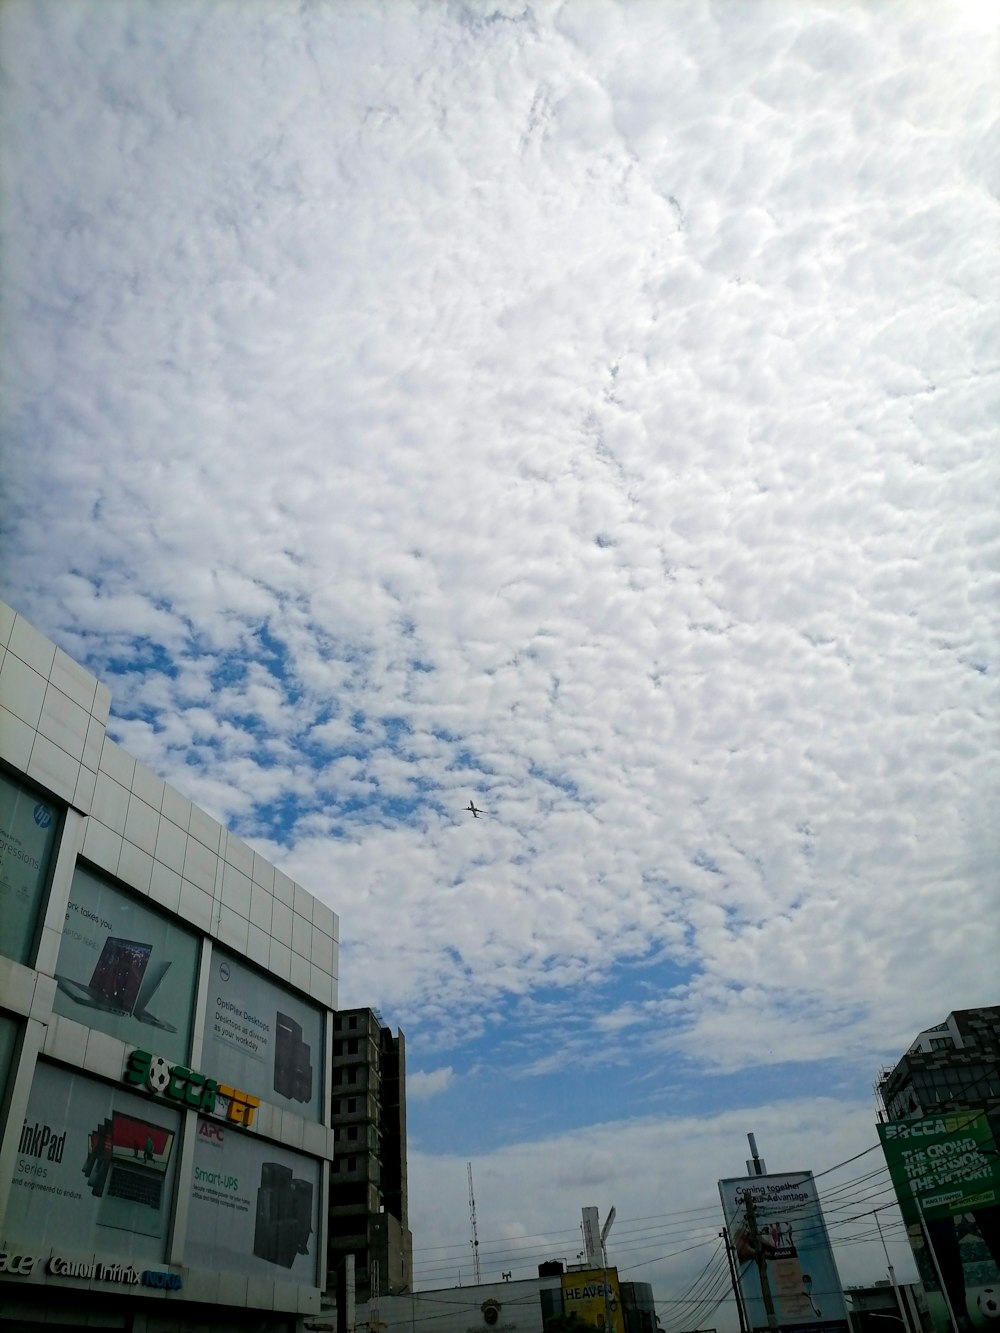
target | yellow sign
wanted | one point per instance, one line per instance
(585, 1293)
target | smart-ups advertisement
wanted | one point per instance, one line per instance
(95, 1168)
(262, 1037)
(254, 1207)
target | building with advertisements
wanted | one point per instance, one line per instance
(939, 1123)
(167, 1004)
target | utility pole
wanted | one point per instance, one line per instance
(892, 1276)
(608, 1322)
(734, 1278)
(759, 1259)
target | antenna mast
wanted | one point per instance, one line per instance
(475, 1237)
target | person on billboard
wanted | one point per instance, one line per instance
(746, 1248)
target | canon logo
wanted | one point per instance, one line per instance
(20, 1265)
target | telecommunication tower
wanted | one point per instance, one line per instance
(475, 1236)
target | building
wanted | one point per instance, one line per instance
(369, 1232)
(167, 1004)
(949, 1067)
(943, 1160)
(638, 1307)
(876, 1308)
(511, 1307)
(517, 1305)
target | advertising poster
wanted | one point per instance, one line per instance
(28, 827)
(946, 1167)
(583, 1294)
(262, 1037)
(95, 1169)
(125, 969)
(792, 1239)
(254, 1207)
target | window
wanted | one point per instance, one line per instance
(9, 1033)
(352, 1046)
(352, 1022)
(352, 1105)
(336, 1106)
(129, 970)
(338, 1048)
(940, 1043)
(352, 1132)
(338, 1077)
(29, 829)
(352, 1164)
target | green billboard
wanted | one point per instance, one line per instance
(942, 1165)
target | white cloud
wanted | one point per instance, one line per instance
(424, 1084)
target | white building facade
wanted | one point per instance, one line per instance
(166, 1021)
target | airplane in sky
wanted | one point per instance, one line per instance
(475, 811)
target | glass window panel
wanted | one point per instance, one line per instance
(108, 1157)
(10, 1029)
(254, 1207)
(29, 825)
(263, 1037)
(125, 968)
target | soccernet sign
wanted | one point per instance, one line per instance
(942, 1165)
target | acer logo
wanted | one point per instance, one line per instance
(20, 1265)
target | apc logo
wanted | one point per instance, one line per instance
(18, 1265)
(42, 815)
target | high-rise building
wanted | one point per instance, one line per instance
(167, 1001)
(949, 1067)
(368, 1227)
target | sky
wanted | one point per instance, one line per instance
(588, 409)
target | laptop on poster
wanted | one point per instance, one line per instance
(150, 985)
(130, 1184)
(116, 980)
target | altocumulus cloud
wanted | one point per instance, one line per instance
(585, 408)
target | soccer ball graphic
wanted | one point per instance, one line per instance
(159, 1074)
(988, 1301)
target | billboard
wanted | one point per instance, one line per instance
(125, 969)
(95, 1168)
(791, 1245)
(261, 1036)
(946, 1167)
(254, 1207)
(28, 828)
(591, 1294)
